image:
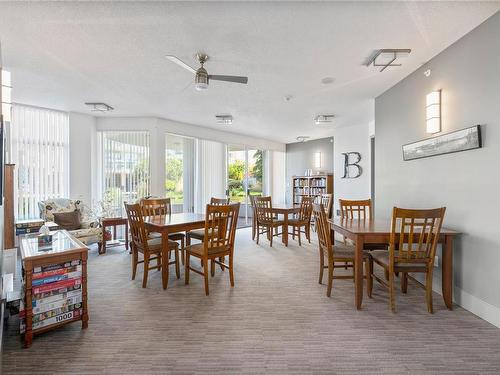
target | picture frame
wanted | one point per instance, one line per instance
(456, 141)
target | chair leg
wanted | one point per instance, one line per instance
(222, 260)
(293, 233)
(205, 274)
(330, 278)
(404, 282)
(308, 232)
(212, 267)
(183, 248)
(271, 238)
(231, 273)
(300, 243)
(135, 257)
(386, 274)
(321, 266)
(428, 292)
(158, 261)
(177, 268)
(186, 269)
(369, 279)
(258, 234)
(146, 270)
(253, 228)
(392, 304)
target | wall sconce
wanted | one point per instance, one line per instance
(433, 112)
(317, 160)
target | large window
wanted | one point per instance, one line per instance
(40, 148)
(125, 167)
(179, 170)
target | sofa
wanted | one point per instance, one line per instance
(90, 231)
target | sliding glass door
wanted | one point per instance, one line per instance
(244, 177)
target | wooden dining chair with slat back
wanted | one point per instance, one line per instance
(220, 232)
(254, 215)
(151, 248)
(303, 219)
(333, 253)
(266, 220)
(327, 201)
(161, 207)
(412, 248)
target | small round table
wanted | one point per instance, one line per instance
(113, 222)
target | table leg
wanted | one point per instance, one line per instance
(447, 273)
(358, 271)
(285, 229)
(103, 250)
(164, 259)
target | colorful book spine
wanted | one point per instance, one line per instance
(56, 266)
(57, 285)
(55, 278)
(65, 302)
(55, 312)
(58, 319)
(43, 300)
(60, 271)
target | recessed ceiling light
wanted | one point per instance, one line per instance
(302, 138)
(323, 119)
(99, 107)
(288, 98)
(224, 119)
(327, 80)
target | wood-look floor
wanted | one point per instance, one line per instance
(276, 319)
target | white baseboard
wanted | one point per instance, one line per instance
(477, 306)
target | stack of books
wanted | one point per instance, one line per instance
(56, 295)
(28, 226)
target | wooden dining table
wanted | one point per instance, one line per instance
(285, 210)
(173, 223)
(378, 231)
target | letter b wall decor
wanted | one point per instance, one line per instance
(352, 169)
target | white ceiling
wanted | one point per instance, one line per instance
(64, 54)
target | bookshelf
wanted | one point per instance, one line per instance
(311, 186)
(54, 284)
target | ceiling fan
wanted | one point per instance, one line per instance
(202, 77)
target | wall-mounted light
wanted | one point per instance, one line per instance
(317, 160)
(433, 112)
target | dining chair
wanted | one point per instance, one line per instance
(412, 248)
(254, 215)
(161, 207)
(151, 248)
(266, 219)
(220, 231)
(303, 219)
(334, 253)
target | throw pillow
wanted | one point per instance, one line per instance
(68, 220)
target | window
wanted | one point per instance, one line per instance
(40, 145)
(125, 168)
(179, 172)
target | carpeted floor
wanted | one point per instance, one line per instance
(277, 319)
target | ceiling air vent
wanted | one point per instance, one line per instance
(386, 57)
(99, 107)
(323, 119)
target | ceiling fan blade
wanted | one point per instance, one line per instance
(236, 79)
(179, 62)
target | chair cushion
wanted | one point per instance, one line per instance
(198, 249)
(382, 256)
(274, 223)
(172, 236)
(340, 250)
(155, 244)
(298, 222)
(199, 234)
(70, 220)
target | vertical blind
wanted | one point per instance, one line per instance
(125, 167)
(40, 145)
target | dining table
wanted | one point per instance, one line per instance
(378, 231)
(286, 211)
(173, 223)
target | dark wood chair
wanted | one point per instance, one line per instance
(266, 220)
(162, 207)
(199, 234)
(151, 248)
(254, 215)
(333, 254)
(327, 201)
(303, 219)
(412, 247)
(220, 232)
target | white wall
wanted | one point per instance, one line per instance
(467, 183)
(82, 162)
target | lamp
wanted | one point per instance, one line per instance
(317, 160)
(433, 112)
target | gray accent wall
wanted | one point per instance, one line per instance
(300, 156)
(467, 183)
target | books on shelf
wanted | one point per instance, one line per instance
(70, 315)
(54, 272)
(54, 278)
(56, 266)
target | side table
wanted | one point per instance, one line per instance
(113, 222)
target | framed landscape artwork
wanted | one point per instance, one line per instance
(460, 140)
